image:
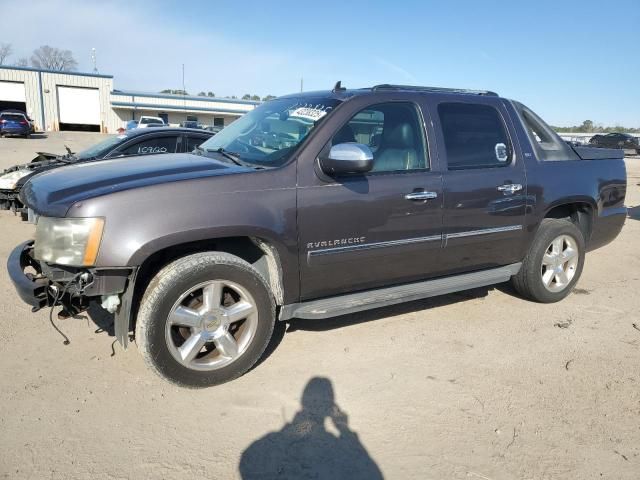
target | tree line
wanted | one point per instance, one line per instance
(246, 96)
(589, 127)
(44, 57)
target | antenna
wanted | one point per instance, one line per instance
(301, 84)
(184, 94)
(338, 87)
(93, 59)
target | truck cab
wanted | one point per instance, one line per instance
(315, 205)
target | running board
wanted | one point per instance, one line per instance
(382, 297)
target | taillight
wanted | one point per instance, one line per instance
(3, 121)
(23, 122)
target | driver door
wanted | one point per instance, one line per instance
(376, 229)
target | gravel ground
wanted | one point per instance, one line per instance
(475, 385)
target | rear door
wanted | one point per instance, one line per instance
(484, 183)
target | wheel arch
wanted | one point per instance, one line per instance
(260, 252)
(580, 211)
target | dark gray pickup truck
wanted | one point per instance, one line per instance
(315, 205)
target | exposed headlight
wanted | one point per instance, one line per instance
(8, 180)
(68, 241)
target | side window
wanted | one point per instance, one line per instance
(393, 131)
(474, 136)
(192, 143)
(151, 146)
(547, 143)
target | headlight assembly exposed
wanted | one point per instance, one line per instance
(68, 241)
(9, 180)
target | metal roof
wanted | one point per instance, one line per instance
(133, 93)
(58, 72)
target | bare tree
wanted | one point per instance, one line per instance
(5, 51)
(51, 58)
(22, 62)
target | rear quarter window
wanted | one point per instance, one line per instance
(547, 144)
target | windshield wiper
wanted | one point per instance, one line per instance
(234, 157)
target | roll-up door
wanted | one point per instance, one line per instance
(12, 96)
(78, 107)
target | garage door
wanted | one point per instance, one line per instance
(12, 96)
(79, 106)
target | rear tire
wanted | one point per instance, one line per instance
(205, 319)
(553, 264)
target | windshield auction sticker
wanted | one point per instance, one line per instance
(307, 113)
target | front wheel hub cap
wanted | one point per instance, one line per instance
(211, 325)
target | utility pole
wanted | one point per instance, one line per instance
(184, 95)
(93, 59)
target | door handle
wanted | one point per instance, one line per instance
(420, 196)
(509, 188)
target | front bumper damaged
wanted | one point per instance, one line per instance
(42, 285)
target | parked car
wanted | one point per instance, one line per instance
(29, 119)
(131, 124)
(16, 124)
(146, 121)
(189, 124)
(616, 140)
(201, 255)
(132, 142)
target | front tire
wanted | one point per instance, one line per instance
(553, 264)
(205, 319)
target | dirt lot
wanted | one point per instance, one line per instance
(476, 385)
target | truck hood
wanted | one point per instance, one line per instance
(52, 193)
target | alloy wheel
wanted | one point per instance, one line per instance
(211, 325)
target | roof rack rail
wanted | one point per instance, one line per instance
(386, 86)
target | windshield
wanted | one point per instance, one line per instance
(268, 135)
(14, 118)
(150, 121)
(102, 148)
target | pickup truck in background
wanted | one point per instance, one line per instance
(146, 121)
(379, 195)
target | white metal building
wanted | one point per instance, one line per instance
(87, 101)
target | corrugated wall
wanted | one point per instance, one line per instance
(30, 80)
(50, 81)
(160, 100)
(49, 93)
(117, 107)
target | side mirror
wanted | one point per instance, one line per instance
(347, 158)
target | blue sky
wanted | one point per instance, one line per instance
(568, 60)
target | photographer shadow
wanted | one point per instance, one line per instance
(304, 448)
